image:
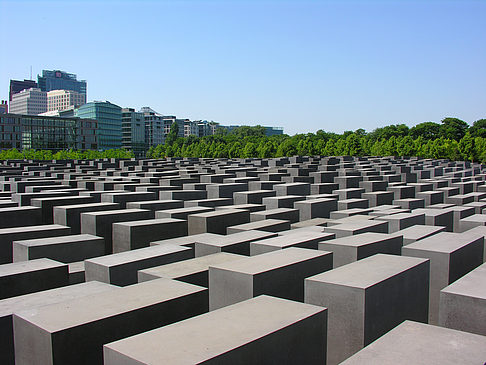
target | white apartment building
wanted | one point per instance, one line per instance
(64, 99)
(29, 101)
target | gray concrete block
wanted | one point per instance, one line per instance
(238, 243)
(308, 239)
(70, 215)
(156, 204)
(216, 221)
(291, 215)
(315, 208)
(65, 249)
(353, 248)
(8, 235)
(352, 204)
(20, 216)
(410, 203)
(100, 223)
(357, 227)
(181, 213)
(210, 203)
(74, 332)
(397, 222)
(253, 196)
(438, 217)
(417, 232)
(47, 205)
(121, 268)
(249, 207)
(193, 271)
(225, 190)
(462, 304)
(292, 189)
(280, 274)
(451, 255)
(262, 330)
(267, 225)
(377, 198)
(286, 201)
(368, 298)
(34, 300)
(475, 220)
(421, 344)
(26, 277)
(137, 234)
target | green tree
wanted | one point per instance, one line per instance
(453, 128)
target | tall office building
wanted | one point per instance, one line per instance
(133, 131)
(60, 80)
(109, 117)
(64, 99)
(29, 101)
(17, 86)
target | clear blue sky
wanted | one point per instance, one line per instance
(302, 65)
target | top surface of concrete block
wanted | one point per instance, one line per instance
(361, 239)
(269, 261)
(27, 266)
(214, 333)
(368, 271)
(46, 297)
(445, 242)
(191, 266)
(421, 344)
(68, 314)
(136, 255)
(472, 284)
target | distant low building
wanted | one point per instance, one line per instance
(47, 133)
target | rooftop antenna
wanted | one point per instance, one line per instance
(31, 72)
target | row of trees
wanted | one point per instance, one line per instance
(452, 139)
(15, 154)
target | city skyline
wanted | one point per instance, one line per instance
(302, 66)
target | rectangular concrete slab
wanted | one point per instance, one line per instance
(304, 239)
(8, 235)
(121, 268)
(29, 301)
(193, 271)
(138, 234)
(353, 248)
(280, 273)
(451, 255)
(367, 298)
(261, 330)
(26, 277)
(74, 332)
(462, 304)
(421, 344)
(63, 248)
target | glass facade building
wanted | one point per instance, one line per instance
(60, 80)
(48, 133)
(133, 131)
(109, 117)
